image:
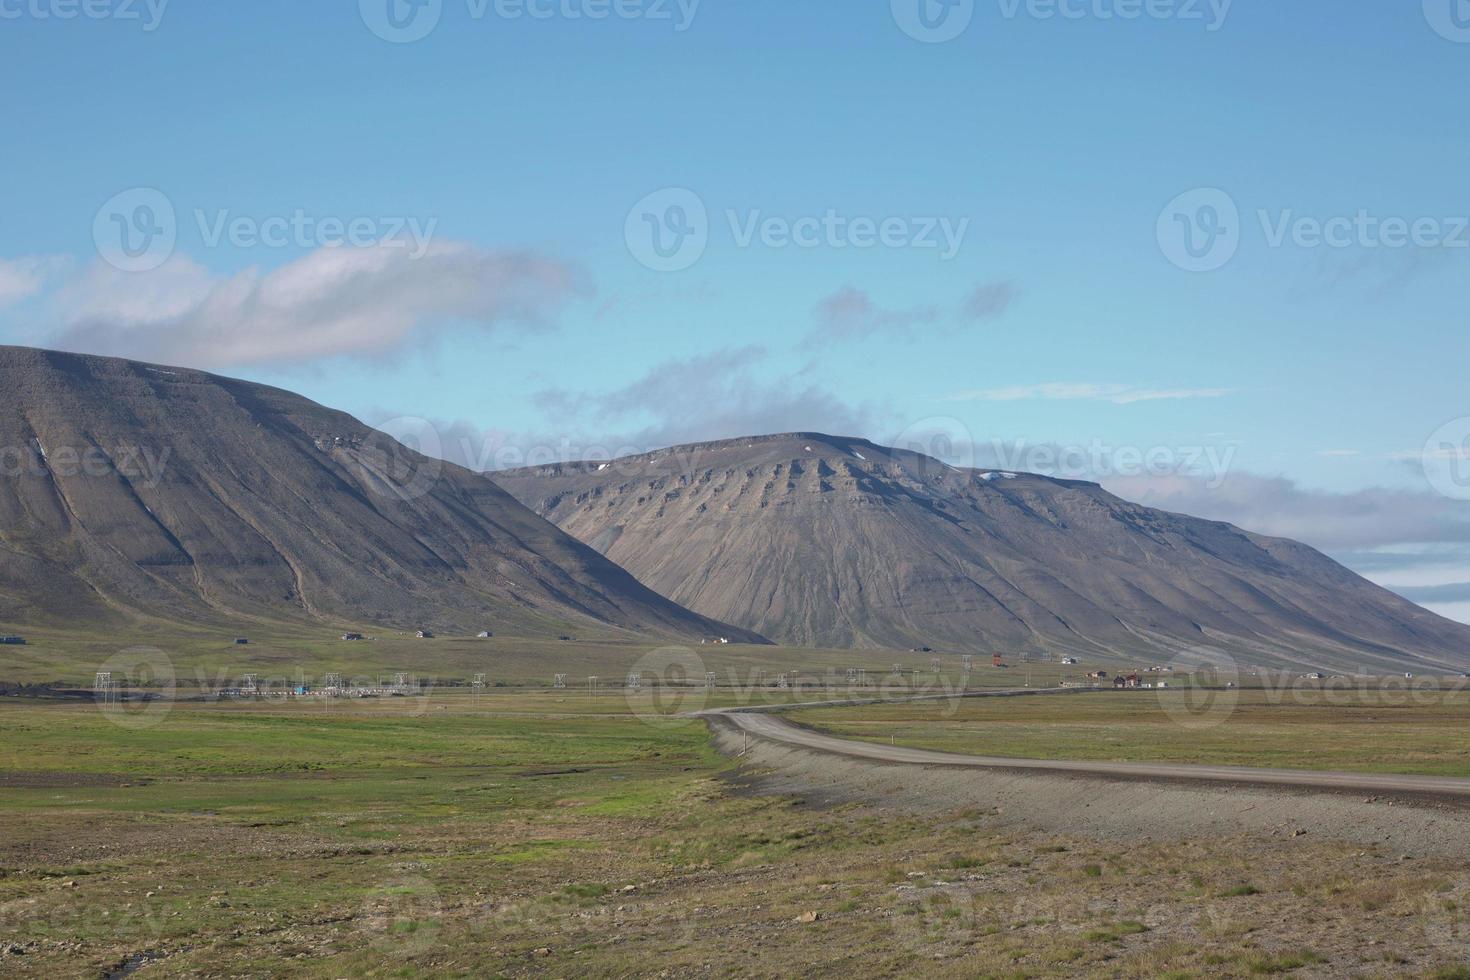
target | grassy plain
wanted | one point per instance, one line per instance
(209, 658)
(1397, 729)
(557, 834)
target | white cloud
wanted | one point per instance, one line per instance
(1372, 518)
(1118, 394)
(1416, 543)
(336, 301)
(722, 395)
(22, 278)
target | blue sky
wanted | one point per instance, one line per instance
(507, 154)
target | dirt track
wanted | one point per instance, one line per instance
(765, 723)
(1105, 801)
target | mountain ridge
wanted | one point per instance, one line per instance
(766, 531)
(135, 489)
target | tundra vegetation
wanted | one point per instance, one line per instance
(521, 833)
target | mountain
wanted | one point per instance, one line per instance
(816, 540)
(133, 490)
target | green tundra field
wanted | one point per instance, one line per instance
(1384, 727)
(564, 834)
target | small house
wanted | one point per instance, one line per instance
(351, 636)
(241, 641)
(424, 634)
(484, 634)
(1069, 661)
(13, 641)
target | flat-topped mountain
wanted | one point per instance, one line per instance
(824, 541)
(130, 489)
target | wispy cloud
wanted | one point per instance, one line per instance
(1372, 518)
(850, 314)
(1118, 394)
(27, 276)
(720, 395)
(1414, 542)
(334, 302)
(989, 302)
(1431, 594)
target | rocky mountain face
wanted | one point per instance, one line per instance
(131, 489)
(822, 541)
